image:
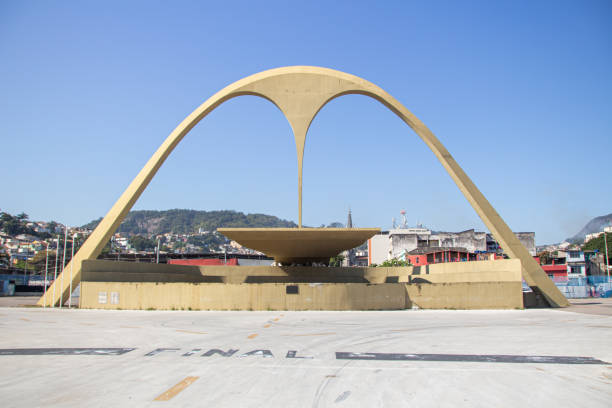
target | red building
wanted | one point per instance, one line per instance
(203, 261)
(556, 271)
(425, 256)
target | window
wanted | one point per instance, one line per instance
(575, 269)
(422, 243)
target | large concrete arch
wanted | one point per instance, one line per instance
(300, 92)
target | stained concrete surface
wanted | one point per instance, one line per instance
(598, 306)
(256, 370)
(27, 301)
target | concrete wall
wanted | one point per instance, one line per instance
(501, 266)
(310, 296)
(477, 271)
(528, 241)
(466, 295)
(470, 240)
(458, 285)
(401, 242)
(217, 296)
(378, 248)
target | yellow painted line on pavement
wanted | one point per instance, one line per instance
(267, 325)
(275, 320)
(171, 393)
(252, 336)
(192, 332)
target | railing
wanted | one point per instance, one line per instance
(584, 287)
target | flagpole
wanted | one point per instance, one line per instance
(63, 265)
(71, 256)
(55, 273)
(46, 274)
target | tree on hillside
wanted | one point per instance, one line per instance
(25, 266)
(544, 257)
(40, 259)
(146, 222)
(11, 225)
(4, 258)
(140, 243)
(15, 225)
(210, 241)
(105, 253)
(52, 226)
(599, 244)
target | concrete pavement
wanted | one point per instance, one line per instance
(418, 358)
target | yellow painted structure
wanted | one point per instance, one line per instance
(477, 271)
(128, 285)
(300, 245)
(300, 92)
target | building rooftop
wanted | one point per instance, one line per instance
(429, 250)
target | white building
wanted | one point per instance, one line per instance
(576, 263)
(396, 242)
(588, 237)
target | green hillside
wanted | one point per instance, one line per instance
(145, 222)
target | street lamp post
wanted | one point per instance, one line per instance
(63, 265)
(46, 274)
(71, 256)
(157, 254)
(55, 273)
(607, 260)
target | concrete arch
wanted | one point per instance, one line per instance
(300, 92)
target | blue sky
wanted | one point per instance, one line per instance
(519, 92)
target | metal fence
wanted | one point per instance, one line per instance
(585, 287)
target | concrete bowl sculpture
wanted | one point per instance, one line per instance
(300, 245)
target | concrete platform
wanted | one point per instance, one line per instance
(424, 358)
(146, 286)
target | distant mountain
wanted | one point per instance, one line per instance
(145, 222)
(595, 225)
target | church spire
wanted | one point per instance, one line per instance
(349, 222)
